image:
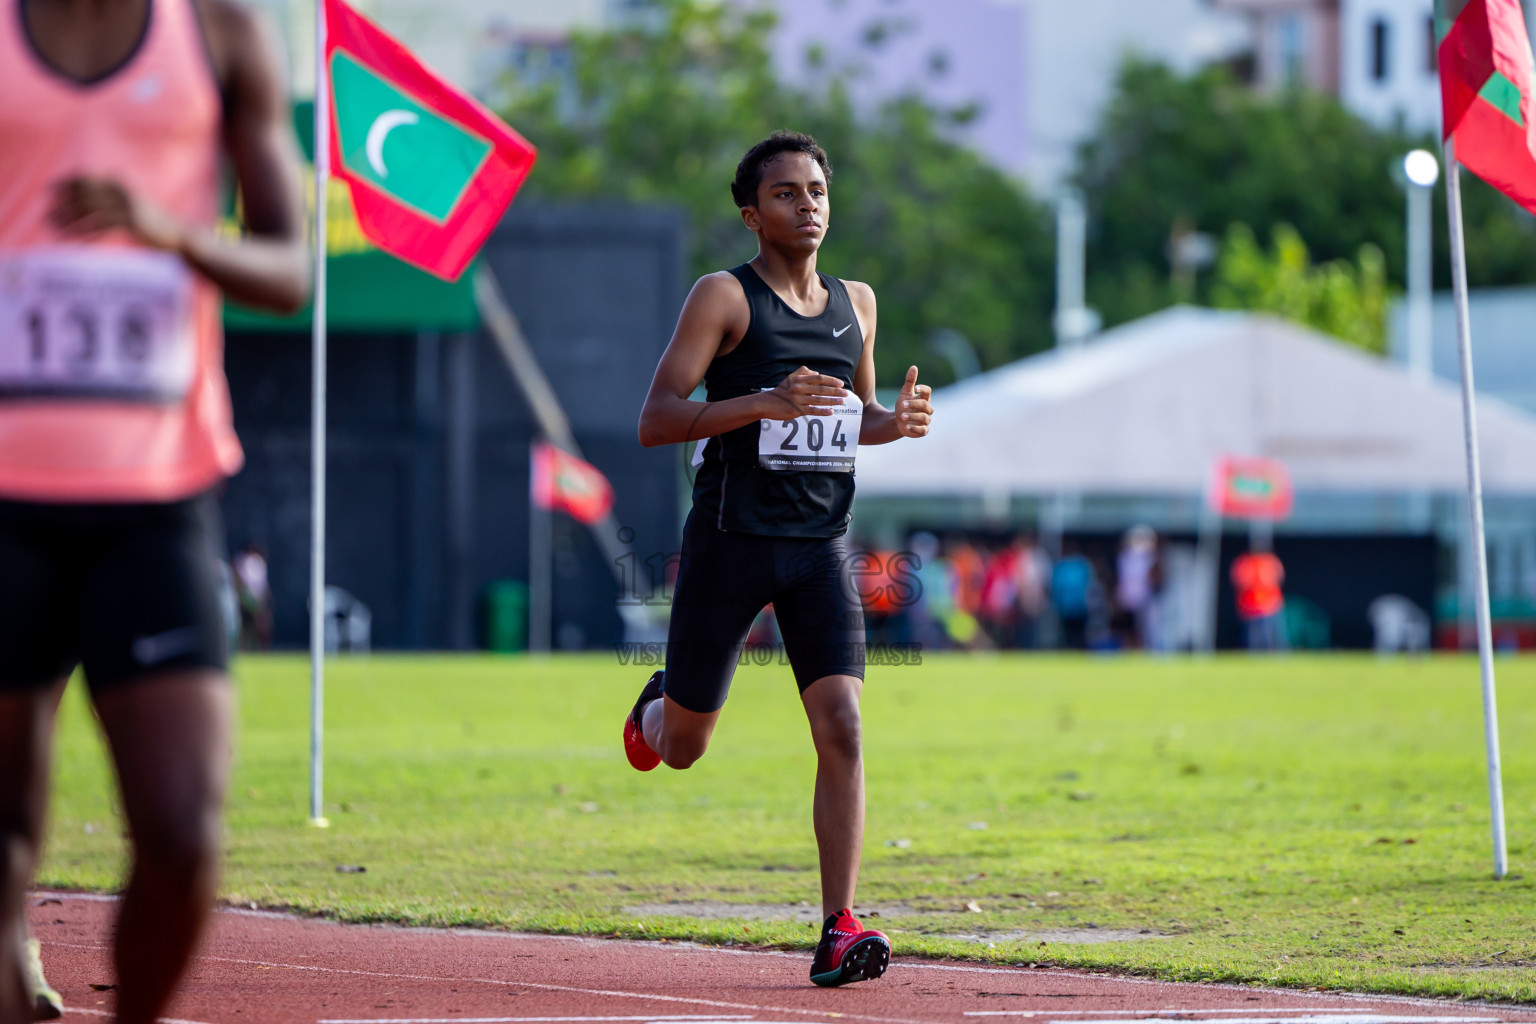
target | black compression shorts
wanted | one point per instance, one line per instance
(125, 590)
(725, 579)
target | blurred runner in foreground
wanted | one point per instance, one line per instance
(786, 354)
(115, 427)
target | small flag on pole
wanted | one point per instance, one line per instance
(431, 170)
(1251, 488)
(563, 482)
(1488, 93)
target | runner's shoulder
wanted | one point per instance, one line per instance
(721, 283)
(719, 293)
(862, 296)
(230, 28)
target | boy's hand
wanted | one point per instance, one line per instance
(914, 410)
(804, 393)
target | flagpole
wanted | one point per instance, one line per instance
(322, 161)
(1475, 508)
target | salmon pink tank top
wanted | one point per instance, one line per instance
(112, 384)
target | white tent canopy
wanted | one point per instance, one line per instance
(1147, 408)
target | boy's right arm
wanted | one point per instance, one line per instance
(716, 313)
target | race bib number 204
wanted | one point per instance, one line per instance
(814, 444)
(83, 322)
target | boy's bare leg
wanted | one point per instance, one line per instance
(680, 736)
(832, 706)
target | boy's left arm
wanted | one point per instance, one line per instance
(914, 409)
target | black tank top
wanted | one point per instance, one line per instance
(732, 491)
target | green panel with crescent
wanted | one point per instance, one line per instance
(395, 143)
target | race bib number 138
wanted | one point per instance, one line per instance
(813, 444)
(84, 322)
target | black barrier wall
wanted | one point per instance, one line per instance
(429, 435)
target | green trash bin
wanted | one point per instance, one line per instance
(506, 616)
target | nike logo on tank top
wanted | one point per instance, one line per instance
(783, 478)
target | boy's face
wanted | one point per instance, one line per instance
(792, 205)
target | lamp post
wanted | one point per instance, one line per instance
(1074, 321)
(1422, 171)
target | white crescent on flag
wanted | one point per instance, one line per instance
(379, 131)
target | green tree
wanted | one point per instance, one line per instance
(661, 112)
(1347, 301)
(1205, 151)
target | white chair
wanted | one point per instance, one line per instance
(348, 622)
(1399, 624)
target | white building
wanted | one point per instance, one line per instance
(1039, 71)
(450, 36)
(1388, 68)
(1377, 56)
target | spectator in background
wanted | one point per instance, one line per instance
(1000, 596)
(884, 613)
(1034, 590)
(935, 604)
(255, 593)
(1135, 587)
(1073, 591)
(970, 577)
(1257, 576)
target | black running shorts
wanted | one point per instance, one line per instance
(725, 579)
(125, 590)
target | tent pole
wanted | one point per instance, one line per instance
(322, 154)
(1479, 541)
(540, 561)
(1208, 563)
(496, 313)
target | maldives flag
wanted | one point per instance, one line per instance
(1488, 93)
(565, 483)
(430, 169)
(1251, 488)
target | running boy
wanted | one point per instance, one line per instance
(786, 355)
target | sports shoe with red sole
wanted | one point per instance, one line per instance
(849, 952)
(641, 757)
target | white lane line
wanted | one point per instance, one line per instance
(88, 897)
(905, 964)
(1322, 1018)
(513, 983)
(528, 1020)
(104, 1013)
(1158, 1013)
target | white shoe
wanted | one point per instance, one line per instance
(46, 1003)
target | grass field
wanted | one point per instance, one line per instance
(1299, 821)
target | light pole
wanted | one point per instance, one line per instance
(1074, 321)
(1421, 170)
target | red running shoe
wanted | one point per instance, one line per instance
(849, 952)
(641, 756)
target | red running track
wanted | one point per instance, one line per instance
(258, 967)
